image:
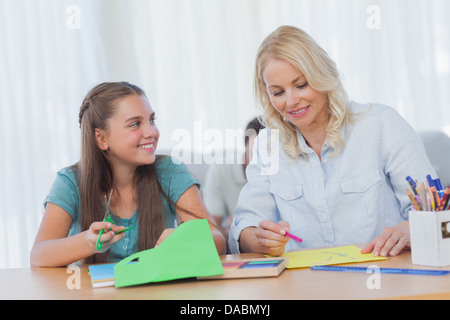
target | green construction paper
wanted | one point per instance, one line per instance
(189, 251)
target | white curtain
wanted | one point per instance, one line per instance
(195, 60)
(46, 67)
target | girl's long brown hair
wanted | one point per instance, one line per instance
(95, 175)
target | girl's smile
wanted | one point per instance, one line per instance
(148, 147)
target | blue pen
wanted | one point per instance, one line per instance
(430, 181)
(439, 187)
(412, 184)
(411, 181)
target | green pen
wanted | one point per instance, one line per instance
(126, 229)
(107, 218)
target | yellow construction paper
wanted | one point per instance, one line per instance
(328, 256)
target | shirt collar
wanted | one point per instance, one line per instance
(307, 149)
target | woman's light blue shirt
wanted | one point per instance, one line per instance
(336, 200)
(174, 179)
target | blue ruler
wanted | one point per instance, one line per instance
(382, 270)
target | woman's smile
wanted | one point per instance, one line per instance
(299, 112)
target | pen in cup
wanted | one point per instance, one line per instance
(428, 196)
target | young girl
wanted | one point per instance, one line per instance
(342, 165)
(148, 192)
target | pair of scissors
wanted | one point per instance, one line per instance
(106, 218)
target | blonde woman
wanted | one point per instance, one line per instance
(341, 165)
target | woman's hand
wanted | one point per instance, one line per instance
(268, 238)
(390, 242)
(108, 238)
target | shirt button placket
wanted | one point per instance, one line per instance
(321, 201)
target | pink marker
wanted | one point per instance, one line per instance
(287, 234)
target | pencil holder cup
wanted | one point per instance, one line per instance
(430, 237)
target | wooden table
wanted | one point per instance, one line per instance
(51, 283)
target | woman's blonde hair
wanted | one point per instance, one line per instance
(295, 46)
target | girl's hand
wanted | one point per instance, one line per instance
(163, 236)
(108, 238)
